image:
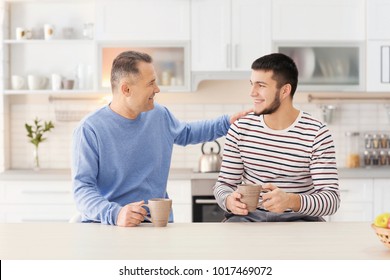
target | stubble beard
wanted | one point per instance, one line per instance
(272, 108)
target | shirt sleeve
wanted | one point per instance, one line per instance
(92, 205)
(232, 168)
(326, 198)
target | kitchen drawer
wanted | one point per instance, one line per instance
(37, 192)
(356, 190)
(36, 213)
(179, 191)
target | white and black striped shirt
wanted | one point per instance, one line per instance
(299, 159)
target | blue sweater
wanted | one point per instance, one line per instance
(117, 161)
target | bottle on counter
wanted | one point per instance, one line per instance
(353, 156)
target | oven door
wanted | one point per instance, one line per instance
(206, 210)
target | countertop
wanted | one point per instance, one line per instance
(185, 241)
(178, 174)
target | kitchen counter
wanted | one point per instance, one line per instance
(272, 241)
(179, 174)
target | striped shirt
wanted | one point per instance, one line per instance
(300, 159)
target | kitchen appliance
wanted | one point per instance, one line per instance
(204, 206)
(210, 162)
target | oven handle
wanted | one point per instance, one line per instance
(205, 201)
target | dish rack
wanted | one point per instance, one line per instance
(383, 235)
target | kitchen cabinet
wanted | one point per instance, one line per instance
(36, 201)
(229, 35)
(382, 196)
(357, 201)
(180, 193)
(320, 20)
(33, 59)
(378, 46)
(143, 20)
(328, 66)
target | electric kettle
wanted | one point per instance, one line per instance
(210, 162)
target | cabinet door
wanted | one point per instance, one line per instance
(320, 20)
(143, 20)
(378, 20)
(180, 193)
(210, 35)
(378, 65)
(382, 196)
(251, 32)
(357, 197)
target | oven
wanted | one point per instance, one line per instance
(204, 206)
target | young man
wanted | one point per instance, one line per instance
(287, 151)
(122, 152)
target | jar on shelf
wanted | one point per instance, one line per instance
(367, 141)
(375, 141)
(367, 158)
(384, 141)
(353, 155)
(382, 157)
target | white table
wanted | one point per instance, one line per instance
(268, 241)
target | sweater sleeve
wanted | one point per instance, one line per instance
(326, 198)
(196, 132)
(92, 205)
(232, 168)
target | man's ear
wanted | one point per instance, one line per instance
(125, 89)
(286, 90)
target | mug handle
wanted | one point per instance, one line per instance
(147, 217)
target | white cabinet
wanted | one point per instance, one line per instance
(382, 196)
(67, 53)
(180, 193)
(36, 201)
(378, 65)
(229, 35)
(143, 20)
(378, 45)
(378, 20)
(320, 20)
(357, 201)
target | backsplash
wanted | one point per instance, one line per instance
(55, 152)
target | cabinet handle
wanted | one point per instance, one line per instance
(236, 56)
(228, 55)
(45, 192)
(385, 64)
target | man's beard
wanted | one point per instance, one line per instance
(271, 108)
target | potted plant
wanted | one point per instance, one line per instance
(35, 133)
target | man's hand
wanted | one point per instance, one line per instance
(279, 201)
(234, 204)
(131, 215)
(238, 115)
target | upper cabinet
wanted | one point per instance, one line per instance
(378, 45)
(42, 45)
(320, 20)
(143, 20)
(229, 35)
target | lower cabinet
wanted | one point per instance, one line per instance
(36, 201)
(357, 201)
(180, 193)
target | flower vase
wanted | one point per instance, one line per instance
(36, 166)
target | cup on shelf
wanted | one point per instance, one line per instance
(68, 84)
(35, 82)
(56, 81)
(48, 31)
(22, 33)
(17, 82)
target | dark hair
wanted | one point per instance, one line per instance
(284, 69)
(127, 63)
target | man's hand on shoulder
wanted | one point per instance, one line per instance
(241, 114)
(131, 215)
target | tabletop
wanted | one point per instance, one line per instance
(186, 241)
